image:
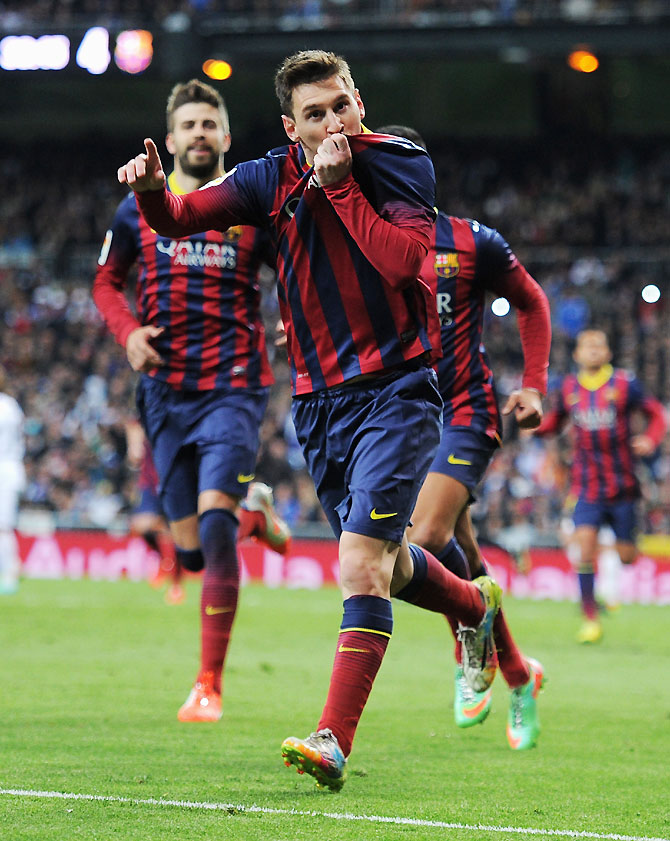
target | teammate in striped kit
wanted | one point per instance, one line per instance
(351, 215)
(466, 261)
(599, 401)
(199, 343)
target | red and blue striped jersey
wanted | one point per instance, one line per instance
(599, 408)
(466, 260)
(203, 290)
(348, 254)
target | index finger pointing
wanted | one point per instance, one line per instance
(151, 149)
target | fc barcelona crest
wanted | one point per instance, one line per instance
(233, 234)
(446, 264)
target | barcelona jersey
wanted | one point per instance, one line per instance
(466, 260)
(202, 290)
(599, 408)
(348, 254)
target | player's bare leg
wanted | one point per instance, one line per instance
(440, 503)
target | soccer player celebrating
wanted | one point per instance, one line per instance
(599, 401)
(351, 215)
(465, 261)
(199, 344)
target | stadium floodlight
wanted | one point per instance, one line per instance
(217, 69)
(651, 293)
(500, 307)
(583, 60)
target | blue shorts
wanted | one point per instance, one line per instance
(368, 448)
(464, 454)
(149, 503)
(621, 515)
(201, 440)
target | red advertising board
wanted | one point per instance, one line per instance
(313, 563)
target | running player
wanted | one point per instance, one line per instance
(466, 260)
(351, 215)
(199, 344)
(599, 401)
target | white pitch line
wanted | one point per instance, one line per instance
(338, 816)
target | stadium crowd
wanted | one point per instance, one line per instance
(593, 230)
(293, 14)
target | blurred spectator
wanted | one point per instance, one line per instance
(322, 14)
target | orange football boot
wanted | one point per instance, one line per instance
(203, 702)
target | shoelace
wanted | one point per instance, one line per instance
(467, 693)
(325, 736)
(517, 708)
(325, 743)
(474, 661)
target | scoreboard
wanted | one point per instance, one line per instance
(131, 50)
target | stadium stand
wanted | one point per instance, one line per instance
(294, 14)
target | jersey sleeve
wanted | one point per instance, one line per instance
(652, 408)
(118, 253)
(241, 197)
(503, 274)
(394, 234)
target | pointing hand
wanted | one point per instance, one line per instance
(144, 172)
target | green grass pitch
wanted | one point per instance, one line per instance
(92, 674)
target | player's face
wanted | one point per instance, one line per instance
(321, 109)
(592, 351)
(198, 139)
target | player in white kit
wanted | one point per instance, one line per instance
(12, 482)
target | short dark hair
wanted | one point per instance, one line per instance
(403, 131)
(304, 68)
(195, 91)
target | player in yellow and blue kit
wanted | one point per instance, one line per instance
(598, 401)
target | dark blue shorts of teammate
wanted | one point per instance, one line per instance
(620, 514)
(368, 447)
(149, 503)
(464, 454)
(200, 440)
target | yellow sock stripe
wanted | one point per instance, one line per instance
(366, 631)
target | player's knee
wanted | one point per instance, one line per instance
(190, 559)
(627, 552)
(364, 575)
(432, 535)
